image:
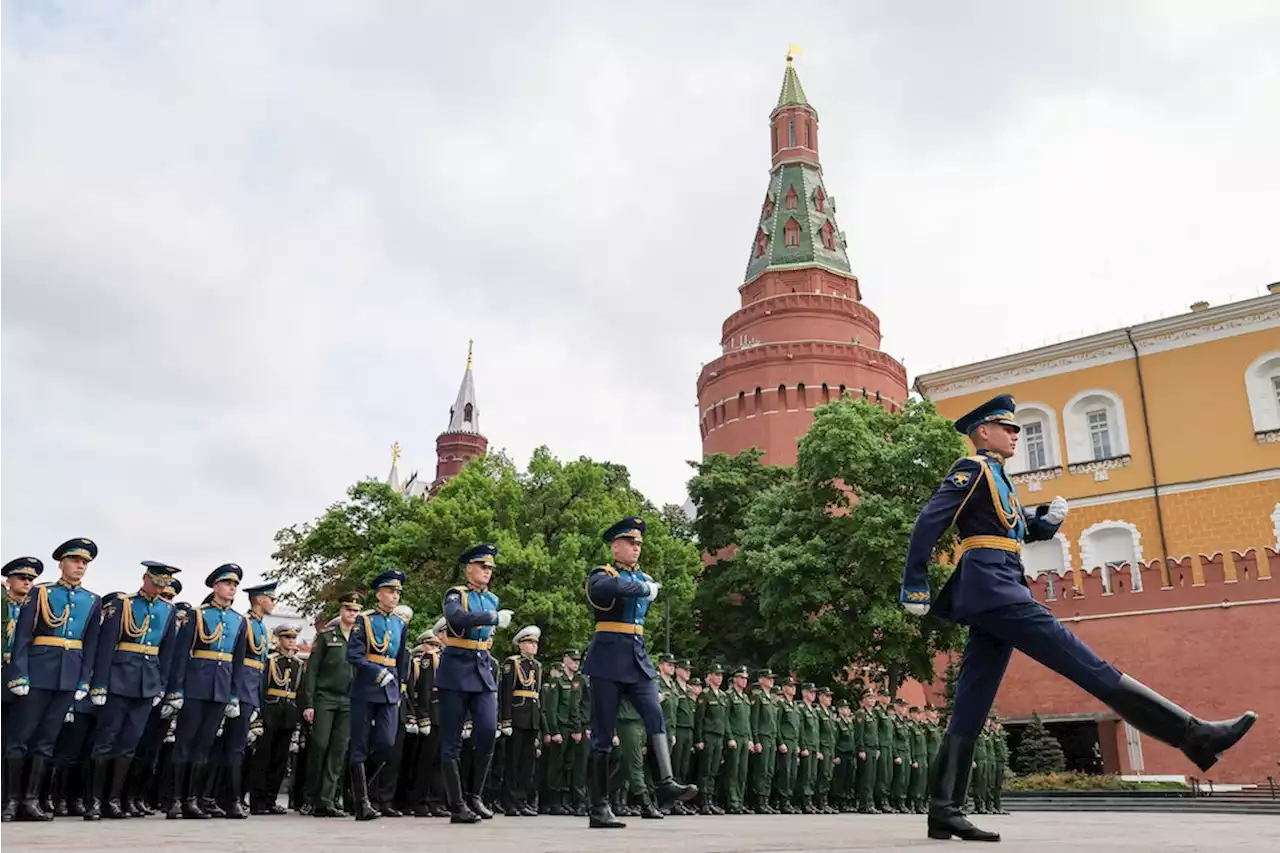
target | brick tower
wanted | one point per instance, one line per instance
(462, 441)
(803, 335)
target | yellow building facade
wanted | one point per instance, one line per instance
(1164, 437)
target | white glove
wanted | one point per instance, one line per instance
(232, 710)
(155, 701)
(466, 734)
(168, 711)
(504, 617)
(20, 689)
(424, 728)
(917, 609)
(98, 699)
(251, 738)
(80, 694)
(177, 703)
(253, 716)
(411, 728)
(1057, 510)
(293, 748)
(69, 717)
(385, 677)
(506, 732)
(654, 589)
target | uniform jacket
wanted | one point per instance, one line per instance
(249, 677)
(520, 694)
(327, 680)
(55, 640)
(619, 600)
(465, 664)
(426, 696)
(12, 609)
(136, 644)
(280, 682)
(211, 646)
(377, 644)
(978, 497)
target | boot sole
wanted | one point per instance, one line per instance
(946, 835)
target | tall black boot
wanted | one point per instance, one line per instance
(235, 798)
(191, 806)
(669, 790)
(1149, 712)
(12, 783)
(29, 808)
(58, 791)
(360, 793)
(113, 807)
(99, 775)
(948, 790)
(459, 812)
(173, 791)
(475, 791)
(601, 816)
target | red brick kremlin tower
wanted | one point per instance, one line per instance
(462, 441)
(803, 335)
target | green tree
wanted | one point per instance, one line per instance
(825, 549)
(1039, 751)
(546, 522)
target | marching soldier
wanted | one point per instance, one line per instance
(764, 725)
(427, 800)
(382, 789)
(785, 773)
(211, 645)
(248, 687)
(19, 575)
(279, 717)
(988, 592)
(49, 666)
(327, 709)
(739, 742)
(379, 655)
(520, 711)
(135, 649)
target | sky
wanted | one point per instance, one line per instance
(245, 244)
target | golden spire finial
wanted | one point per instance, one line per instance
(793, 50)
(470, 344)
(395, 452)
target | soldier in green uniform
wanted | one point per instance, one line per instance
(553, 798)
(739, 742)
(846, 760)
(884, 767)
(825, 765)
(575, 716)
(807, 764)
(327, 708)
(784, 775)
(919, 762)
(764, 725)
(982, 769)
(933, 740)
(901, 757)
(867, 722)
(682, 752)
(710, 725)
(629, 782)
(1001, 749)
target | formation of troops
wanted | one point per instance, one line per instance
(120, 705)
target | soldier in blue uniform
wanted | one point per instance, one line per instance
(619, 666)
(50, 664)
(466, 683)
(135, 648)
(988, 592)
(19, 575)
(142, 778)
(379, 654)
(212, 642)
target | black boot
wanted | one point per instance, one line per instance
(12, 782)
(601, 816)
(135, 801)
(113, 807)
(29, 807)
(459, 812)
(191, 806)
(235, 800)
(475, 792)
(948, 790)
(669, 790)
(99, 774)
(1149, 712)
(364, 809)
(171, 794)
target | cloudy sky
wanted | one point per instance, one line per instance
(245, 244)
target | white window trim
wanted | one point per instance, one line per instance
(1075, 420)
(1044, 414)
(1262, 394)
(1066, 559)
(1086, 548)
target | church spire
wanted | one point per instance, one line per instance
(393, 477)
(792, 93)
(465, 414)
(462, 441)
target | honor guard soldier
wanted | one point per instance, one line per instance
(279, 717)
(327, 708)
(380, 655)
(135, 650)
(50, 664)
(426, 780)
(202, 690)
(248, 688)
(466, 682)
(520, 712)
(988, 592)
(618, 665)
(19, 575)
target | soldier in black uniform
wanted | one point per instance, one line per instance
(279, 717)
(520, 716)
(428, 787)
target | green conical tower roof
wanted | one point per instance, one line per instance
(792, 93)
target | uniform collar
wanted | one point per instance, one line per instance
(216, 606)
(18, 599)
(146, 598)
(66, 584)
(991, 455)
(382, 612)
(473, 588)
(624, 566)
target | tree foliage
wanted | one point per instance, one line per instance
(546, 522)
(1039, 751)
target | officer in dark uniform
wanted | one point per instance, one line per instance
(988, 592)
(466, 682)
(50, 664)
(19, 575)
(248, 689)
(379, 653)
(426, 777)
(520, 712)
(326, 706)
(618, 665)
(142, 778)
(211, 643)
(279, 717)
(135, 649)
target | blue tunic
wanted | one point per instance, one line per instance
(55, 639)
(135, 646)
(376, 644)
(465, 664)
(216, 638)
(248, 683)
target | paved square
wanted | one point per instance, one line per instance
(1042, 832)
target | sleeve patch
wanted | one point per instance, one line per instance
(959, 479)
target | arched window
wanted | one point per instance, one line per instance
(1051, 558)
(806, 134)
(755, 404)
(1262, 384)
(466, 413)
(793, 200)
(828, 236)
(791, 233)
(782, 398)
(791, 133)
(1095, 426)
(762, 242)
(768, 206)
(1107, 546)
(802, 401)
(820, 200)
(1038, 443)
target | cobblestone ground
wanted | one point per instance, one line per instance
(1042, 832)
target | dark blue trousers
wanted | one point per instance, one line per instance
(148, 747)
(120, 725)
(235, 735)
(198, 723)
(1030, 628)
(383, 719)
(606, 695)
(454, 705)
(36, 719)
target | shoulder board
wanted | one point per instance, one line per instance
(458, 588)
(514, 657)
(647, 577)
(608, 570)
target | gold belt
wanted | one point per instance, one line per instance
(138, 648)
(474, 645)
(999, 543)
(205, 654)
(283, 694)
(255, 663)
(381, 660)
(525, 694)
(619, 628)
(60, 642)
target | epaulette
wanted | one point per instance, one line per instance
(609, 570)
